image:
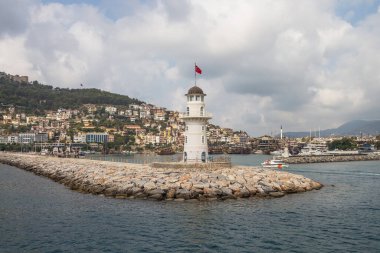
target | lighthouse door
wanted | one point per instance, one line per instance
(203, 156)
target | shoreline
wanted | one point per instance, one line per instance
(138, 181)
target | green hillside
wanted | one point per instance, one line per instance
(35, 97)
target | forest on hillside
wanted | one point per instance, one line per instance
(36, 98)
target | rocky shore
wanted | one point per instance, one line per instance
(330, 158)
(123, 180)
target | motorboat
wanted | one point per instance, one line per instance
(317, 147)
(276, 152)
(274, 163)
(44, 152)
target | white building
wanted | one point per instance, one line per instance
(13, 139)
(111, 109)
(80, 138)
(196, 119)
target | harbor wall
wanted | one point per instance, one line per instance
(124, 180)
(330, 158)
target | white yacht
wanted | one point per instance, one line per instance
(315, 147)
(274, 163)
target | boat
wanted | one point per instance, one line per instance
(215, 150)
(44, 152)
(276, 152)
(317, 147)
(165, 151)
(274, 163)
(239, 150)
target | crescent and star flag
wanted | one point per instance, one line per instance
(198, 70)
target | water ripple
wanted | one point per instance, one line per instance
(38, 215)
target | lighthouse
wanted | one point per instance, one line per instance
(196, 119)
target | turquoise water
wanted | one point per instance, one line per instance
(39, 215)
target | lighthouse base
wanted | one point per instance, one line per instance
(189, 165)
(195, 156)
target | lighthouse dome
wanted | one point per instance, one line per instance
(195, 90)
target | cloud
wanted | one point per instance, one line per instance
(14, 16)
(265, 63)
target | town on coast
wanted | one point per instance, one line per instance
(62, 122)
(140, 127)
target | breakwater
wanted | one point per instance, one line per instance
(330, 158)
(123, 180)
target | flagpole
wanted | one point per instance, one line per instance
(195, 74)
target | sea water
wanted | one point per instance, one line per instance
(39, 215)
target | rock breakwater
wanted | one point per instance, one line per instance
(123, 180)
(330, 158)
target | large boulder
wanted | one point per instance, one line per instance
(182, 194)
(149, 186)
(171, 193)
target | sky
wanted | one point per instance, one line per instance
(265, 63)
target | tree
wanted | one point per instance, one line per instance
(343, 144)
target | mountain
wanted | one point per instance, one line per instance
(35, 97)
(354, 127)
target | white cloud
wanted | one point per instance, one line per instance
(265, 63)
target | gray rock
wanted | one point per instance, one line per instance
(136, 190)
(267, 188)
(140, 183)
(156, 196)
(226, 191)
(149, 186)
(155, 192)
(171, 193)
(201, 185)
(235, 187)
(183, 194)
(277, 194)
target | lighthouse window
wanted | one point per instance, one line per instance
(202, 98)
(191, 98)
(202, 111)
(186, 139)
(187, 111)
(197, 98)
(203, 139)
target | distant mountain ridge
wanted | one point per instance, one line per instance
(353, 128)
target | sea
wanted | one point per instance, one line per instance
(39, 215)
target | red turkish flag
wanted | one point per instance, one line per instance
(198, 70)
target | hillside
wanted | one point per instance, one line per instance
(35, 97)
(354, 127)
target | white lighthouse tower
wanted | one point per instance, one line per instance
(195, 118)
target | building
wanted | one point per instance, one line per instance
(158, 113)
(267, 143)
(196, 119)
(20, 79)
(12, 139)
(3, 139)
(26, 137)
(111, 109)
(41, 137)
(79, 138)
(96, 137)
